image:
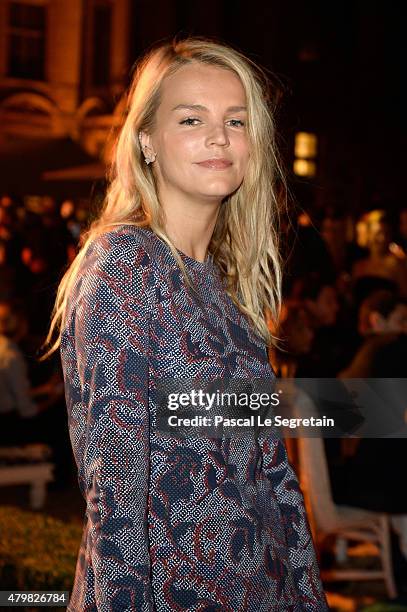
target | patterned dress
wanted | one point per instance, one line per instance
(200, 524)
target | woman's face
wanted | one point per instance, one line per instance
(200, 135)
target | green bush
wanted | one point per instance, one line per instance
(37, 552)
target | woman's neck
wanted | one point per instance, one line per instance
(190, 226)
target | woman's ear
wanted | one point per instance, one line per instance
(143, 139)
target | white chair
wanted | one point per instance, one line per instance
(37, 473)
(343, 523)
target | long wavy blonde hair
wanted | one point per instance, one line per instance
(245, 241)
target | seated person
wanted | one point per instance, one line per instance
(372, 472)
(333, 340)
(16, 403)
(30, 415)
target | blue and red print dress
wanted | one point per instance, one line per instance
(196, 524)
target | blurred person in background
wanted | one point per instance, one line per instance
(382, 319)
(305, 250)
(321, 301)
(39, 285)
(30, 415)
(331, 346)
(54, 231)
(295, 330)
(16, 401)
(68, 213)
(372, 474)
(297, 333)
(338, 234)
(381, 269)
(44, 255)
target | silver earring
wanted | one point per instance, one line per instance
(148, 160)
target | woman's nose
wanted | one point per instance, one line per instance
(218, 135)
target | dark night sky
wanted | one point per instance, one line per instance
(349, 90)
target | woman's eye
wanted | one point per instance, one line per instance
(189, 121)
(237, 122)
(195, 121)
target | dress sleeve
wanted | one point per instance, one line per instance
(111, 341)
(298, 534)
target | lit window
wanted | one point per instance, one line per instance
(305, 167)
(305, 145)
(305, 151)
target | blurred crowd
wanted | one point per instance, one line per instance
(345, 294)
(38, 239)
(345, 316)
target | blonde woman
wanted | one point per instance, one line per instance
(173, 280)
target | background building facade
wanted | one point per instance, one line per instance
(63, 68)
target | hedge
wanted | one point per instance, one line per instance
(37, 552)
(385, 607)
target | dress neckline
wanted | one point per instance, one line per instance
(190, 262)
(194, 262)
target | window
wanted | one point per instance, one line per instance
(306, 144)
(102, 18)
(26, 41)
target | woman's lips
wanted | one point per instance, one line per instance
(215, 164)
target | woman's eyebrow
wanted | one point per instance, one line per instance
(199, 107)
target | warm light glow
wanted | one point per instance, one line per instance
(305, 145)
(305, 167)
(304, 220)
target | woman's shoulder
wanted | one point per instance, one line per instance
(138, 250)
(117, 262)
(123, 242)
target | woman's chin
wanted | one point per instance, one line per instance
(219, 191)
